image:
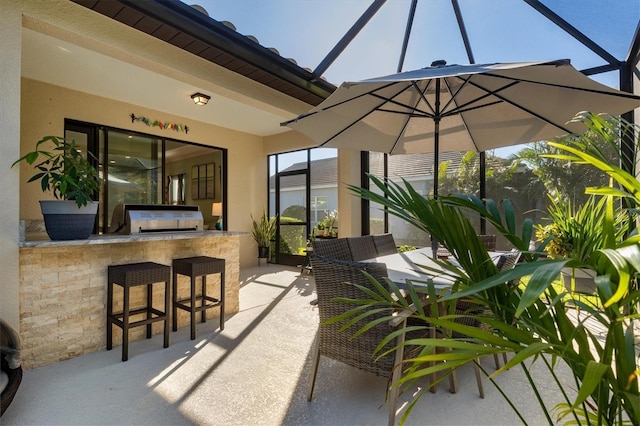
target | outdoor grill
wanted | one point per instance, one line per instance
(146, 218)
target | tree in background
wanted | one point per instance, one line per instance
(505, 179)
(292, 240)
(464, 179)
(296, 212)
(567, 179)
(527, 177)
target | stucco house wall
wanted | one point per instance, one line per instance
(44, 108)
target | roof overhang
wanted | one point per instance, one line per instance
(187, 28)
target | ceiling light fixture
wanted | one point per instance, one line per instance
(200, 98)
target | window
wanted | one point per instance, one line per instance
(318, 208)
(136, 168)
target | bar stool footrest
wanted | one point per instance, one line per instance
(185, 304)
(117, 319)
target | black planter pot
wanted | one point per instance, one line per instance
(263, 252)
(64, 220)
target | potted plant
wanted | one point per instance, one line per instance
(72, 180)
(578, 232)
(263, 231)
(331, 218)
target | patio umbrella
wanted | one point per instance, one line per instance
(459, 108)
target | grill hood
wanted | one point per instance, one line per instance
(146, 218)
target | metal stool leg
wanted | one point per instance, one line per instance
(193, 307)
(203, 313)
(149, 306)
(109, 315)
(125, 324)
(174, 296)
(166, 310)
(222, 292)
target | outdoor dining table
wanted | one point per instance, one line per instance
(405, 266)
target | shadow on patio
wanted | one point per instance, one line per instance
(255, 372)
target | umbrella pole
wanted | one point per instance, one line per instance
(436, 140)
(436, 154)
(436, 147)
(483, 189)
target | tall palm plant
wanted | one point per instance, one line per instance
(532, 322)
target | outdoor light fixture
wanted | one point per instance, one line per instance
(200, 98)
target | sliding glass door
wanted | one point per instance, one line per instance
(292, 232)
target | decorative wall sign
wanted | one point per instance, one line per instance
(163, 125)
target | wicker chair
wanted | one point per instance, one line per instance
(331, 277)
(489, 241)
(505, 262)
(362, 248)
(334, 248)
(508, 260)
(385, 244)
(11, 364)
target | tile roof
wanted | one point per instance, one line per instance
(192, 30)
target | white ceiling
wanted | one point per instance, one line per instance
(54, 61)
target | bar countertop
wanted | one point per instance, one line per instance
(42, 240)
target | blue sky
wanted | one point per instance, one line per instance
(499, 31)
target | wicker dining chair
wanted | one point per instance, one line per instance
(489, 241)
(385, 244)
(333, 279)
(505, 262)
(332, 248)
(362, 248)
(508, 260)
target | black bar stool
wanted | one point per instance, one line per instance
(131, 275)
(198, 266)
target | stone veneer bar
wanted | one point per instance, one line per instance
(63, 287)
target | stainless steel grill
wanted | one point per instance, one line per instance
(144, 218)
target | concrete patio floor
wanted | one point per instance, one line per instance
(255, 372)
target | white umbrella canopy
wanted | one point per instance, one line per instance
(459, 108)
